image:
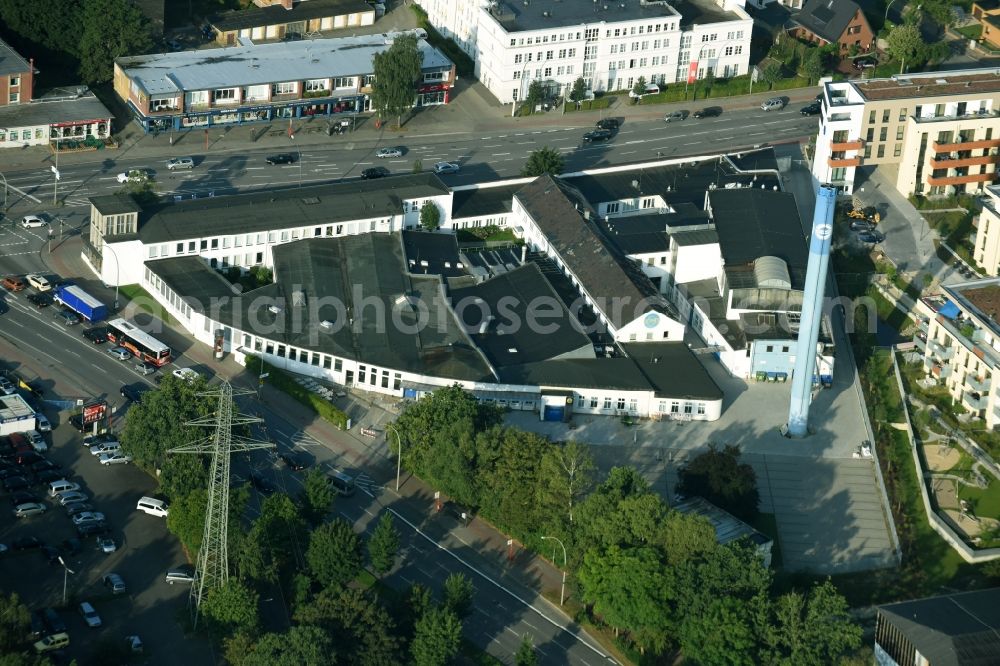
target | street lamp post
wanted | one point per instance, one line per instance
(562, 589)
(887, 7)
(399, 446)
(66, 572)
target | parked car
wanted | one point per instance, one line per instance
(120, 353)
(596, 136)
(105, 447)
(675, 115)
(32, 221)
(28, 458)
(52, 642)
(650, 89)
(72, 496)
(861, 225)
(180, 163)
(708, 112)
(143, 368)
(864, 63)
(773, 104)
(811, 109)
(133, 176)
(133, 392)
(26, 543)
(871, 236)
(76, 508)
(67, 317)
(187, 374)
(446, 167)
(13, 483)
(71, 546)
(180, 575)
(44, 466)
(49, 475)
(280, 158)
(51, 554)
(389, 151)
(29, 509)
(42, 423)
(14, 283)
(260, 484)
(39, 282)
(88, 517)
(23, 497)
(90, 529)
(608, 124)
(374, 172)
(59, 488)
(90, 615)
(37, 624)
(96, 335)
(114, 582)
(54, 622)
(7, 387)
(106, 545)
(114, 459)
(292, 463)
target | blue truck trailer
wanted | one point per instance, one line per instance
(79, 301)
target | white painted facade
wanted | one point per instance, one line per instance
(840, 122)
(609, 54)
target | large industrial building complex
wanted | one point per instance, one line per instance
(609, 44)
(622, 279)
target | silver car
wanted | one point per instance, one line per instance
(29, 509)
(120, 353)
(180, 163)
(116, 458)
(775, 103)
(446, 167)
(389, 152)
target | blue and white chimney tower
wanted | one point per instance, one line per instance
(812, 311)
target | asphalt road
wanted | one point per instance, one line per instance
(231, 166)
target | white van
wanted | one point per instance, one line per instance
(57, 488)
(342, 483)
(37, 441)
(152, 506)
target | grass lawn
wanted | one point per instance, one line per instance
(141, 298)
(465, 236)
(590, 104)
(970, 31)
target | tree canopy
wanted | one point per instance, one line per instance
(231, 608)
(110, 29)
(542, 161)
(334, 554)
(437, 638)
(430, 216)
(579, 90)
(720, 477)
(317, 496)
(906, 44)
(383, 544)
(397, 70)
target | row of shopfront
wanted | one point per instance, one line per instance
(428, 95)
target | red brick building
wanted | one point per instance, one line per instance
(16, 77)
(833, 22)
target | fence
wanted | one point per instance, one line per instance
(936, 522)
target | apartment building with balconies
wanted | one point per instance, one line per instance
(959, 337)
(938, 132)
(609, 44)
(267, 82)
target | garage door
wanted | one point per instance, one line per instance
(553, 413)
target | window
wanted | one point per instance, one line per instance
(885, 116)
(897, 150)
(225, 94)
(338, 365)
(225, 242)
(675, 407)
(784, 349)
(518, 58)
(613, 207)
(15, 80)
(770, 348)
(287, 88)
(701, 408)
(902, 114)
(204, 245)
(215, 243)
(621, 403)
(593, 402)
(180, 248)
(688, 407)
(729, 50)
(607, 403)
(548, 55)
(343, 82)
(14, 97)
(871, 117)
(882, 133)
(548, 71)
(317, 84)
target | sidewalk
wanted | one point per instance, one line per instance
(474, 111)
(481, 545)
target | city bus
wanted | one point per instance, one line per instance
(141, 344)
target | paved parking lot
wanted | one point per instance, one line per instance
(145, 550)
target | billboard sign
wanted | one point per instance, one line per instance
(94, 412)
(693, 71)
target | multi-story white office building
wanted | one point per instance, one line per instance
(609, 43)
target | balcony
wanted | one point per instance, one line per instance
(977, 384)
(844, 161)
(941, 371)
(847, 145)
(941, 352)
(964, 145)
(965, 116)
(974, 401)
(954, 163)
(920, 340)
(961, 180)
(923, 324)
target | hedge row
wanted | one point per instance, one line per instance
(284, 381)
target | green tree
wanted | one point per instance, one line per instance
(906, 45)
(536, 93)
(334, 554)
(275, 543)
(627, 588)
(317, 496)
(231, 608)
(458, 591)
(579, 90)
(262, 275)
(811, 629)
(150, 430)
(187, 519)
(299, 646)
(639, 89)
(812, 65)
(110, 29)
(722, 634)
(526, 655)
(14, 621)
(383, 544)
(430, 216)
(54, 24)
(507, 461)
(564, 477)
(437, 638)
(356, 622)
(396, 70)
(771, 73)
(719, 477)
(545, 160)
(940, 12)
(237, 647)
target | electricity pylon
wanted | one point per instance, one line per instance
(212, 569)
